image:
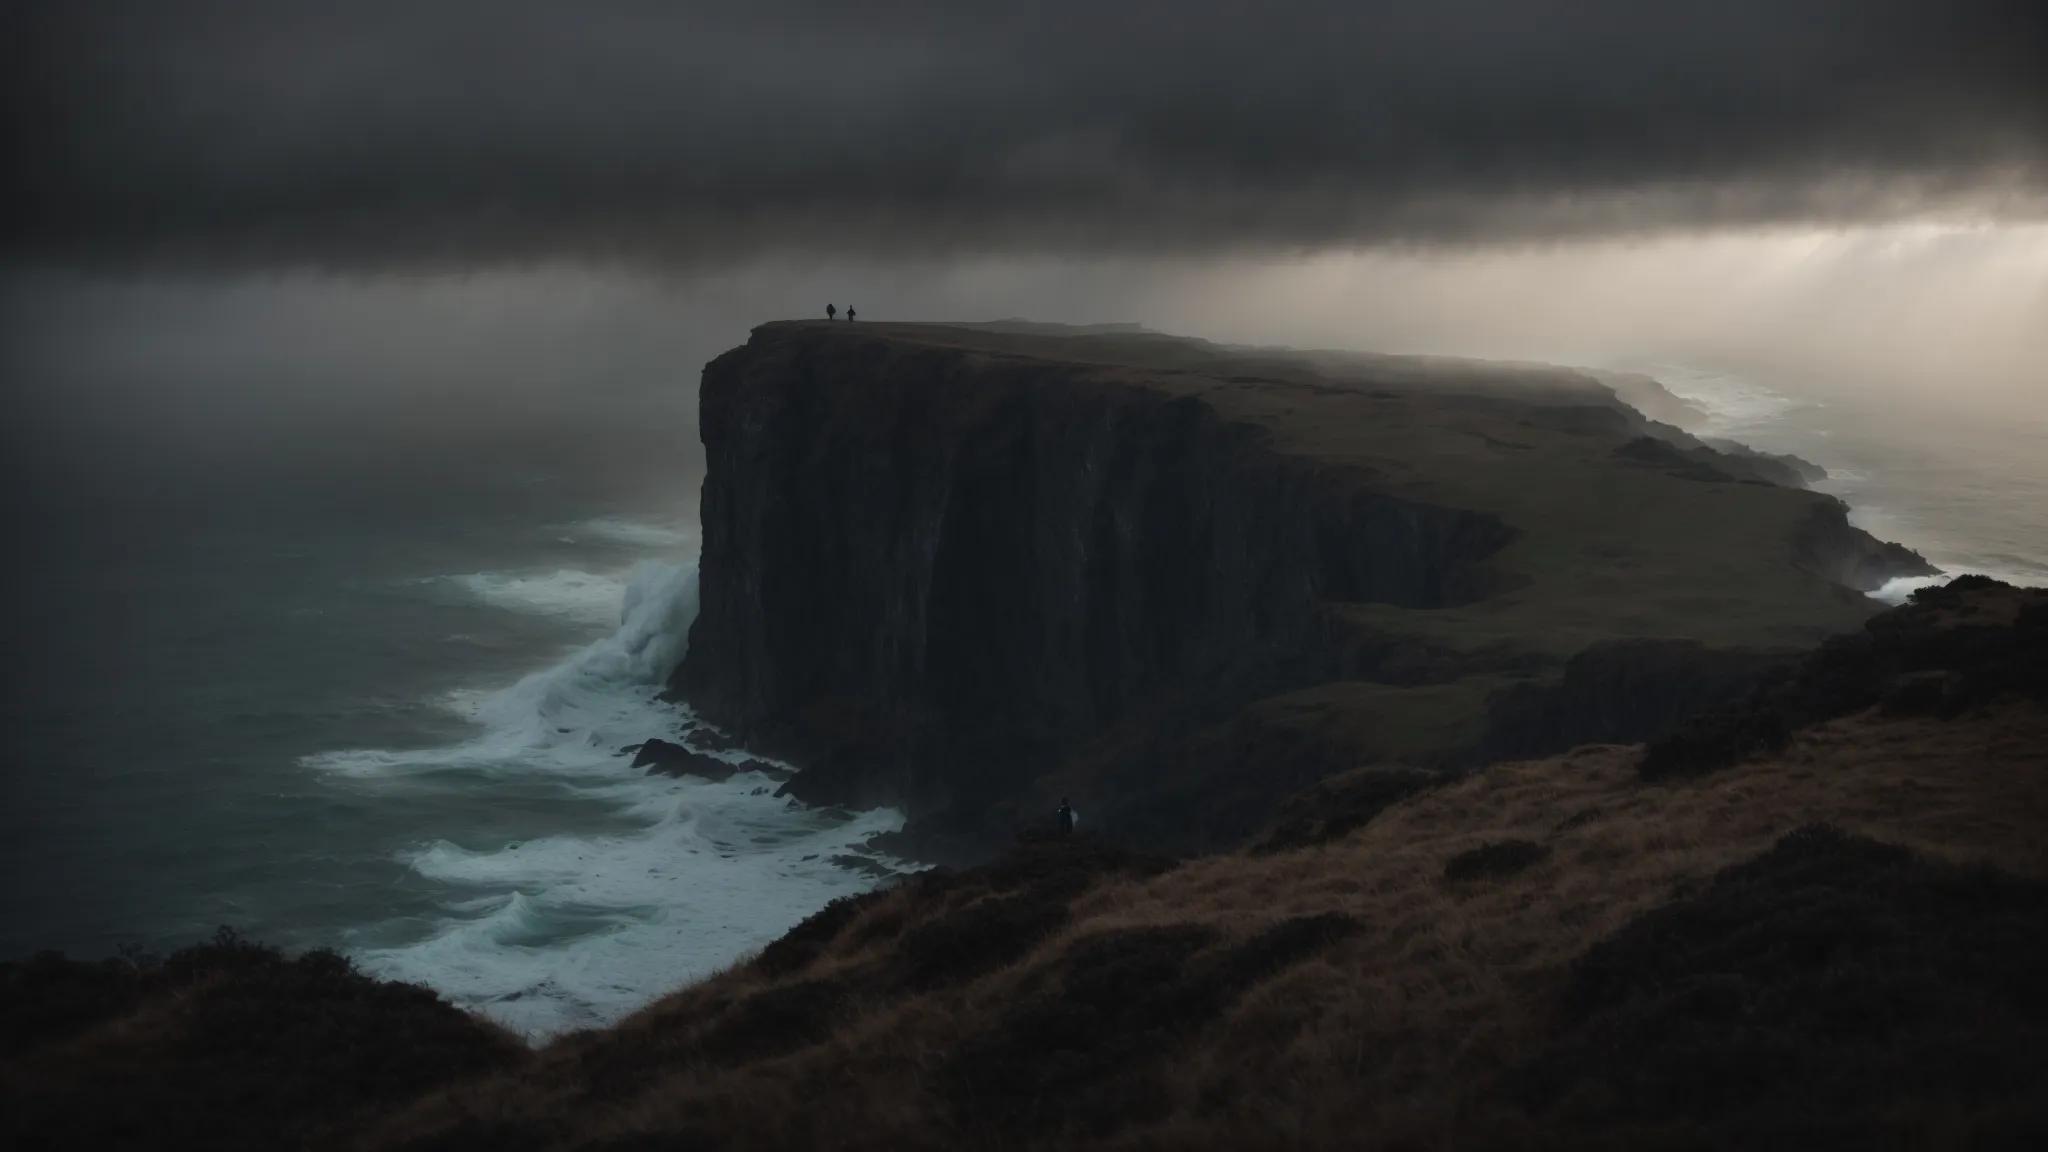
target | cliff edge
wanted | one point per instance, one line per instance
(966, 568)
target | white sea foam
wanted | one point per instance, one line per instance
(566, 931)
(589, 928)
(574, 715)
(636, 533)
(1896, 591)
(1732, 404)
(1899, 588)
(565, 592)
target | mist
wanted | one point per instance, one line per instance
(596, 363)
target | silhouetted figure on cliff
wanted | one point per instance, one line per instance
(1066, 817)
(831, 313)
(849, 313)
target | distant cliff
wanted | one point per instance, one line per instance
(943, 563)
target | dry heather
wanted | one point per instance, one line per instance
(1321, 997)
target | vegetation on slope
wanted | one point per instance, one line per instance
(227, 1044)
(1550, 953)
(1833, 943)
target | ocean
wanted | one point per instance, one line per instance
(380, 709)
(1966, 490)
(367, 694)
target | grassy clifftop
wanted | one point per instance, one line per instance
(968, 569)
(1611, 539)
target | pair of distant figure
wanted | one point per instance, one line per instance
(831, 312)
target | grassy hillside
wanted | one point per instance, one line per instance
(1833, 944)
(1829, 937)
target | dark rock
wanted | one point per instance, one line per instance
(1783, 469)
(1648, 396)
(709, 739)
(1954, 647)
(1715, 741)
(671, 759)
(866, 865)
(1053, 552)
(1620, 692)
(954, 570)
(1699, 464)
(772, 771)
(1830, 546)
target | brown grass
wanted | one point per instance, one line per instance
(1395, 1034)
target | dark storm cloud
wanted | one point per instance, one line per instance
(465, 130)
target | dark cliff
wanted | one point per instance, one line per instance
(959, 569)
(927, 571)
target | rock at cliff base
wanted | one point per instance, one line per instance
(672, 759)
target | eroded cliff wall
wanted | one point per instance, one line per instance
(929, 572)
(965, 570)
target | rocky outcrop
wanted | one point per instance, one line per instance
(1777, 467)
(1619, 692)
(668, 758)
(929, 572)
(1953, 648)
(1831, 547)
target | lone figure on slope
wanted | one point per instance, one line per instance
(1066, 817)
(831, 313)
(849, 313)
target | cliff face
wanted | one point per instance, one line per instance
(1832, 547)
(965, 569)
(928, 570)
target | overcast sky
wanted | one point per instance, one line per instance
(461, 131)
(228, 219)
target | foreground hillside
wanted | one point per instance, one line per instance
(1813, 917)
(1829, 938)
(965, 570)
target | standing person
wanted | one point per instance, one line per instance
(849, 313)
(1066, 817)
(833, 313)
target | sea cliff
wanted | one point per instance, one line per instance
(964, 568)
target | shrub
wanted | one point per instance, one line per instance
(243, 1048)
(1835, 990)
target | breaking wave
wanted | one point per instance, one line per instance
(680, 877)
